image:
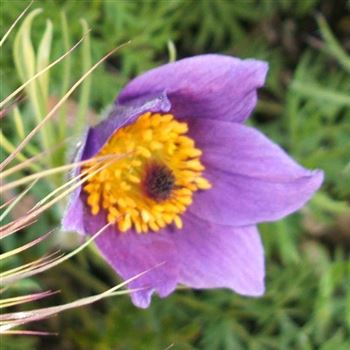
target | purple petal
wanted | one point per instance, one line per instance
(253, 179)
(214, 256)
(207, 86)
(73, 217)
(130, 254)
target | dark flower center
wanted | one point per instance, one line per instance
(158, 182)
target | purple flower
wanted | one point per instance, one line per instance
(193, 183)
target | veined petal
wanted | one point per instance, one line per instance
(130, 254)
(214, 256)
(253, 179)
(206, 86)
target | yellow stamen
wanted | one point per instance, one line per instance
(154, 184)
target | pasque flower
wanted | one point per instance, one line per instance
(193, 181)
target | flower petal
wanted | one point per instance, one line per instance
(207, 86)
(130, 254)
(214, 256)
(73, 217)
(253, 179)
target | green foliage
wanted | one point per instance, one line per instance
(305, 108)
(304, 308)
(20, 343)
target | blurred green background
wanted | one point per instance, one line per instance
(305, 107)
